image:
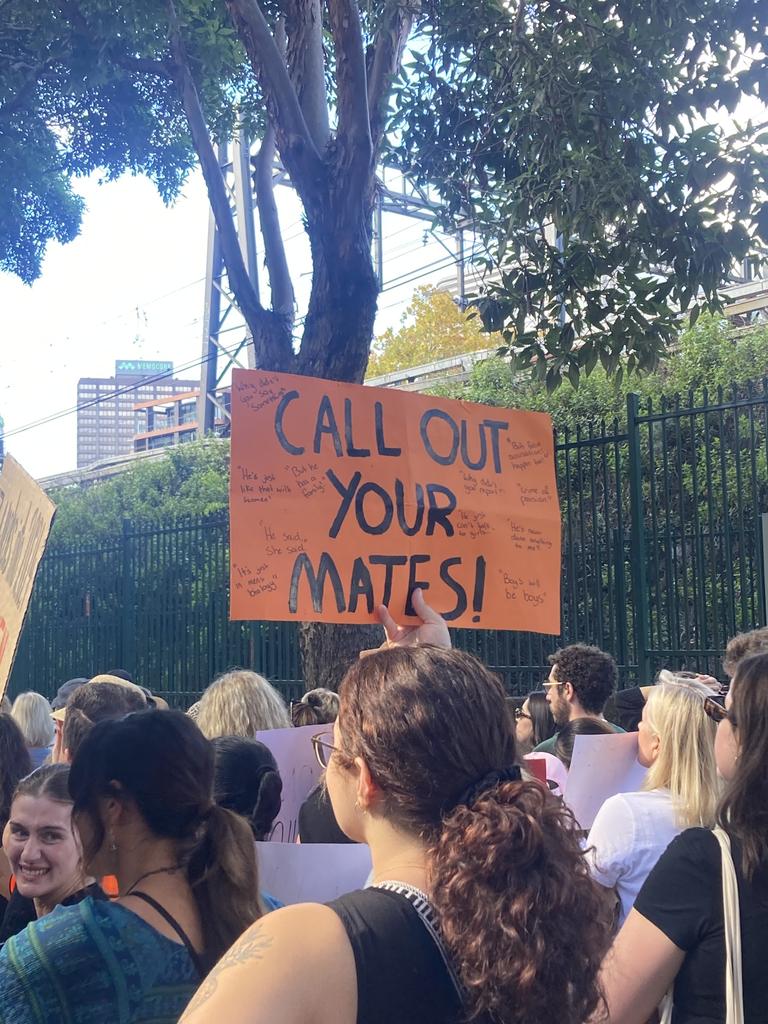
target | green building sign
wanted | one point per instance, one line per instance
(142, 367)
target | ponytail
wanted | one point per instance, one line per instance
(267, 806)
(247, 781)
(524, 924)
(223, 876)
(164, 764)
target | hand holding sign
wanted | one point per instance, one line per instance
(431, 630)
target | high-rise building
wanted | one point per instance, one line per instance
(2, 439)
(106, 415)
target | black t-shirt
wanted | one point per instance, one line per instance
(402, 976)
(317, 822)
(683, 897)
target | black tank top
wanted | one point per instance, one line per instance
(403, 976)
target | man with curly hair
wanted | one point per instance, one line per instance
(581, 680)
(742, 645)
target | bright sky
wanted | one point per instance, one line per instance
(131, 287)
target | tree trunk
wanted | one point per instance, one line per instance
(327, 650)
(336, 341)
(338, 329)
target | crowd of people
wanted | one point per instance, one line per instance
(129, 882)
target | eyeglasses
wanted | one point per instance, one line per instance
(716, 711)
(519, 713)
(323, 748)
(548, 686)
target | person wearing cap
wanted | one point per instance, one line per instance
(58, 703)
(65, 691)
(153, 701)
(101, 698)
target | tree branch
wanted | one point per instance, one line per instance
(391, 37)
(145, 66)
(306, 65)
(351, 79)
(297, 148)
(283, 299)
(24, 93)
(273, 350)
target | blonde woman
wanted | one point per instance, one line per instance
(32, 714)
(681, 790)
(241, 703)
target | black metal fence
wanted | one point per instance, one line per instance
(663, 561)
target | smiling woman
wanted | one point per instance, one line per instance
(43, 850)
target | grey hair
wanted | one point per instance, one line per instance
(32, 714)
(325, 702)
(241, 703)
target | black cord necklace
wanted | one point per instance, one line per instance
(148, 874)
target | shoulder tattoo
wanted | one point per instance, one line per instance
(251, 947)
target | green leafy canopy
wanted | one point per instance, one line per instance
(708, 356)
(591, 145)
(190, 480)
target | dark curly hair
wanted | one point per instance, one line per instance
(591, 672)
(525, 925)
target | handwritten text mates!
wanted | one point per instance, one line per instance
(353, 496)
(428, 507)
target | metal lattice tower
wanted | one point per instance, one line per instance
(217, 356)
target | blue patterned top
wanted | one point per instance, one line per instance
(94, 963)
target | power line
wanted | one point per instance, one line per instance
(143, 305)
(407, 277)
(442, 264)
(127, 389)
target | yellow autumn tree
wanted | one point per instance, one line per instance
(432, 327)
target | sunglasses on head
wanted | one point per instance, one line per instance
(715, 708)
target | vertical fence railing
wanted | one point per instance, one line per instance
(637, 555)
(703, 463)
(663, 561)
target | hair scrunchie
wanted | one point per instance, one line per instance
(489, 781)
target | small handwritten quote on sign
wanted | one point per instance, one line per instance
(344, 497)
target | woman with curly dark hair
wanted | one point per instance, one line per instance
(481, 906)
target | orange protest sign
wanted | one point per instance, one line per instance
(343, 497)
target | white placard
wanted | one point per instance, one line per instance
(312, 872)
(601, 766)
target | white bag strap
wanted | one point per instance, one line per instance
(734, 994)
